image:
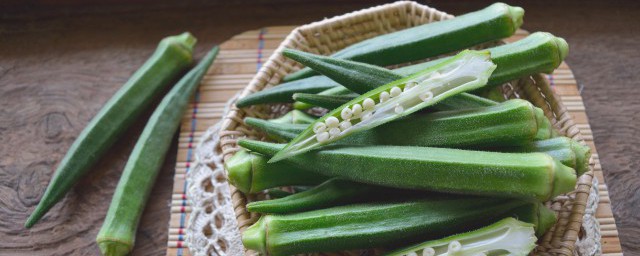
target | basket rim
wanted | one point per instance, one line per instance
(556, 111)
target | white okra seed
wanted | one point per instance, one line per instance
(368, 104)
(319, 127)
(346, 124)
(356, 110)
(398, 109)
(384, 96)
(428, 251)
(346, 113)
(395, 91)
(332, 122)
(322, 137)
(426, 96)
(334, 132)
(454, 246)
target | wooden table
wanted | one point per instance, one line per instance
(60, 63)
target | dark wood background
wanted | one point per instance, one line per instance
(61, 60)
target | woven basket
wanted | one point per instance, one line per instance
(330, 35)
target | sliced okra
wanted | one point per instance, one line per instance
(466, 71)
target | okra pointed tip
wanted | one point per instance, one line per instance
(255, 237)
(114, 248)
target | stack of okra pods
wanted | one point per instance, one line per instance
(425, 154)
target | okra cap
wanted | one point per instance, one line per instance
(583, 154)
(564, 179)
(516, 13)
(546, 220)
(255, 237)
(114, 248)
(240, 170)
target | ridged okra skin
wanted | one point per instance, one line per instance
(172, 56)
(540, 52)
(372, 225)
(569, 152)
(491, 23)
(283, 92)
(294, 117)
(250, 173)
(514, 122)
(520, 175)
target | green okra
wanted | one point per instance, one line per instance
(283, 92)
(467, 71)
(569, 152)
(294, 117)
(540, 52)
(329, 102)
(537, 214)
(372, 225)
(521, 175)
(250, 173)
(326, 94)
(362, 77)
(117, 235)
(514, 122)
(282, 132)
(506, 237)
(171, 58)
(491, 23)
(332, 192)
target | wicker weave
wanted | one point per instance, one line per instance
(330, 35)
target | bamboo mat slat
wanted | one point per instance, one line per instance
(241, 57)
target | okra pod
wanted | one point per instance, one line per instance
(491, 23)
(294, 117)
(332, 192)
(521, 175)
(569, 152)
(506, 237)
(540, 52)
(250, 173)
(467, 71)
(116, 237)
(329, 102)
(283, 92)
(514, 122)
(171, 58)
(372, 225)
(326, 94)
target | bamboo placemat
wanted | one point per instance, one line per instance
(242, 56)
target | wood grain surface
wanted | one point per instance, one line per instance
(59, 65)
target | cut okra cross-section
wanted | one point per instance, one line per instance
(466, 71)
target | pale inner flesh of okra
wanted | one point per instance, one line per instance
(509, 237)
(399, 100)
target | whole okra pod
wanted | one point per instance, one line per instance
(521, 175)
(491, 23)
(514, 122)
(372, 225)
